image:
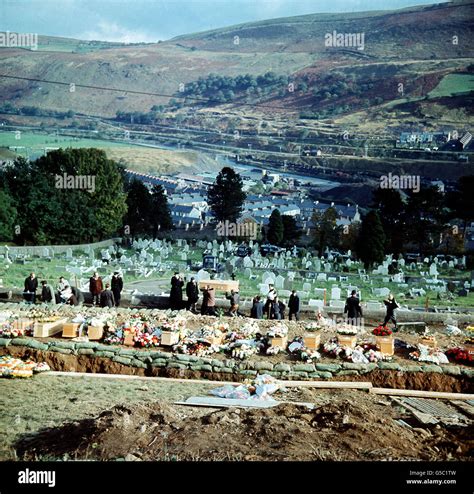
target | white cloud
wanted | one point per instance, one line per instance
(111, 31)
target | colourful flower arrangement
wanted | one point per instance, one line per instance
(382, 331)
(364, 353)
(460, 355)
(146, 340)
(426, 354)
(249, 330)
(297, 349)
(191, 346)
(273, 350)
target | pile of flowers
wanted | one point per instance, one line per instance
(261, 388)
(210, 331)
(278, 331)
(114, 337)
(364, 353)
(382, 331)
(313, 326)
(273, 350)
(146, 340)
(424, 353)
(243, 351)
(193, 346)
(7, 331)
(347, 330)
(460, 355)
(14, 367)
(249, 330)
(297, 349)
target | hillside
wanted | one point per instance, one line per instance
(410, 46)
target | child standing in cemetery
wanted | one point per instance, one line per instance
(294, 306)
(95, 287)
(391, 305)
(117, 287)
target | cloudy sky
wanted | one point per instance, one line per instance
(152, 20)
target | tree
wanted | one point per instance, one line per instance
(371, 241)
(275, 231)
(139, 207)
(225, 196)
(160, 215)
(291, 232)
(427, 217)
(391, 209)
(326, 232)
(67, 196)
(462, 201)
(7, 217)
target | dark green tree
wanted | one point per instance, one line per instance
(139, 207)
(388, 203)
(426, 218)
(326, 232)
(160, 216)
(67, 196)
(461, 202)
(291, 232)
(371, 241)
(8, 215)
(275, 230)
(226, 197)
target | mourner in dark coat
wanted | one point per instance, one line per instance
(294, 306)
(107, 297)
(192, 292)
(176, 293)
(391, 305)
(256, 312)
(353, 308)
(117, 287)
(47, 293)
(31, 285)
(95, 287)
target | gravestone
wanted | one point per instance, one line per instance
(317, 264)
(202, 274)
(335, 293)
(319, 292)
(307, 287)
(321, 277)
(184, 256)
(327, 267)
(279, 281)
(247, 272)
(267, 275)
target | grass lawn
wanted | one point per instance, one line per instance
(48, 401)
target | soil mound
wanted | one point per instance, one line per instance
(342, 429)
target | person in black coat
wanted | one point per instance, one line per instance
(256, 312)
(275, 309)
(176, 293)
(77, 296)
(294, 306)
(31, 285)
(391, 305)
(353, 308)
(282, 308)
(192, 292)
(107, 297)
(117, 287)
(47, 293)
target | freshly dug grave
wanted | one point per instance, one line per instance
(349, 425)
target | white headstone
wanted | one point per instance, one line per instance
(279, 282)
(335, 293)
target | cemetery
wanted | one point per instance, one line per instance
(319, 364)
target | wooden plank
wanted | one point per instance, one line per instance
(143, 378)
(326, 384)
(422, 394)
(222, 285)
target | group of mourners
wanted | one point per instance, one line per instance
(274, 308)
(107, 295)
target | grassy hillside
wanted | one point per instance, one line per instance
(410, 46)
